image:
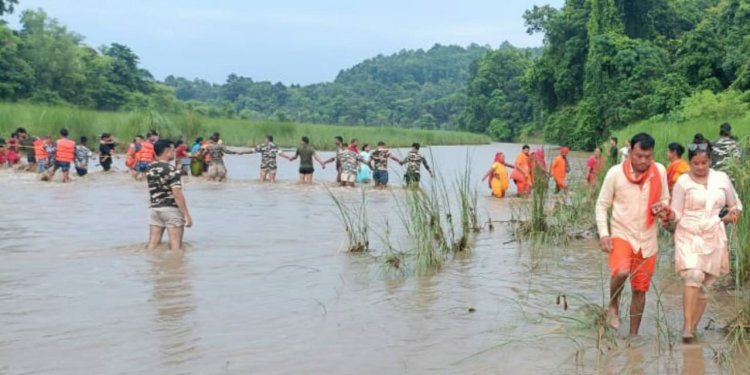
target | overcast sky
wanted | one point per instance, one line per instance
(292, 41)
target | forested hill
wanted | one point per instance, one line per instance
(609, 63)
(411, 88)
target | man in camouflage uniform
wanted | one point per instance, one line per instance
(168, 210)
(349, 161)
(414, 162)
(379, 164)
(339, 149)
(216, 168)
(725, 148)
(268, 153)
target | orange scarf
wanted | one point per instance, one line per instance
(675, 170)
(654, 193)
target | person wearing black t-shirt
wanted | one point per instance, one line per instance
(106, 151)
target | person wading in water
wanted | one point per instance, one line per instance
(704, 202)
(560, 169)
(64, 156)
(638, 194)
(168, 208)
(306, 153)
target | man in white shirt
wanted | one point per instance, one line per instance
(638, 194)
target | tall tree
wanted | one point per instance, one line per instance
(7, 6)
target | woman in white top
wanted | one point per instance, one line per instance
(702, 202)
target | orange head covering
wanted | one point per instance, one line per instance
(539, 154)
(500, 158)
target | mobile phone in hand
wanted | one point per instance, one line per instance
(724, 212)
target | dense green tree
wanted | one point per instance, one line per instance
(495, 93)
(6, 6)
(16, 75)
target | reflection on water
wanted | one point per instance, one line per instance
(265, 288)
(173, 302)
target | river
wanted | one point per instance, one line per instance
(265, 287)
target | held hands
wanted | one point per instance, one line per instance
(606, 244)
(661, 210)
(732, 217)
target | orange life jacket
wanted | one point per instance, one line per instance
(40, 153)
(146, 154)
(66, 150)
(130, 156)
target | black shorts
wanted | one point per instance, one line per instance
(412, 178)
(306, 170)
(31, 159)
(106, 163)
(81, 171)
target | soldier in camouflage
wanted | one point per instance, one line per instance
(379, 165)
(349, 161)
(339, 149)
(168, 210)
(414, 162)
(268, 153)
(216, 168)
(725, 148)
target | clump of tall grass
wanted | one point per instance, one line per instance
(467, 197)
(426, 228)
(738, 328)
(427, 214)
(354, 219)
(559, 218)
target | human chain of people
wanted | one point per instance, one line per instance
(206, 158)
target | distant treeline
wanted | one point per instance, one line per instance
(414, 89)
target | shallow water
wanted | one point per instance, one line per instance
(264, 287)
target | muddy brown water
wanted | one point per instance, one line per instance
(264, 287)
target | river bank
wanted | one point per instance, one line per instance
(42, 120)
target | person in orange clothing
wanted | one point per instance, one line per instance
(498, 176)
(40, 153)
(144, 157)
(133, 149)
(560, 169)
(64, 156)
(677, 166)
(522, 172)
(637, 193)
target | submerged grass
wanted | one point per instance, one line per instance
(558, 219)
(354, 219)
(42, 120)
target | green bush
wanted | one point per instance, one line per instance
(499, 130)
(705, 104)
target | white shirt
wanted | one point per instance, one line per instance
(629, 203)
